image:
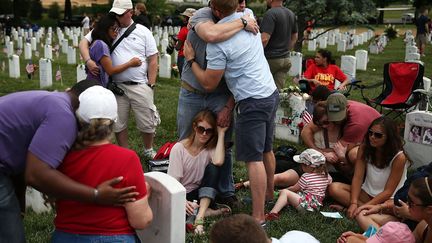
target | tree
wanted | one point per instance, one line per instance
(155, 8)
(6, 7)
(68, 10)
(54, 11)
(36, 10)
(330, 12)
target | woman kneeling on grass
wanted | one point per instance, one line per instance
(309, 192)
(382, 164)
(94, 160)
(195, 163)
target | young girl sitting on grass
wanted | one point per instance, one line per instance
(309, 192)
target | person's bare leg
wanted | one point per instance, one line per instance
(281, 202)
(340, 192)
(258, 185)
(148, 140)
(286, 179)
(269, 165)
(203, 206)
(122, 138)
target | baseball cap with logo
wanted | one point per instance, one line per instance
(336, 107)
(310, 157)
(189, 12)
(393, 232)
(97, 102)
(120, 6)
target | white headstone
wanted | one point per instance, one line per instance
(341, 46)
(332, 39)
(412, 57)
(75, 40)
(323, 42)
(27, 51)
(48, 52)
(312, 45)
(45, 73)
(296, 59)
(165, 66)
(411, 49)
(419, 149)
(361, 59)
(168, 203)
(33, 44)
(7, 39)
(164, 44)
(14, 67)
(81, 73)
(48, 41)
(71, 55)
(356, 40)
(348, 66)
(373, 48)
(156, 37)
(15, 35)
(20, 43)
(10, 48)
(64, 46)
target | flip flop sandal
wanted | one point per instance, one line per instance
(225, 209)
(272, 216)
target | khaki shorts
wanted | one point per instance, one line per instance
(140, 98)
(279, 67)
(421, 39)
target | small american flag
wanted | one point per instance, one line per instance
(58, 75)
(306, 117)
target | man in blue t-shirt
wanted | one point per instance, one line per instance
(248, 77)
(37, 128)
(422, 31)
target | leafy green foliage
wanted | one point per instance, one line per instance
(54, 11)
(36, 10)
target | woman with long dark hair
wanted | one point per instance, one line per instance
(103, 35)
(380, 169)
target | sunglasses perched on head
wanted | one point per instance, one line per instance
(201, 130)
(375, 134)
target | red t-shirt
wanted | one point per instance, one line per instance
(359, 118)
(91, 166)
(181, 36)
(325, 75)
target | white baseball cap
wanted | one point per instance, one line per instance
(310, 157)
(120, 6)
(97, 102)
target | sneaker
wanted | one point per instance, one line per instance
(149, 153)
(231, 201)
(272, 216)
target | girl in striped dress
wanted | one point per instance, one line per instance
(309, 192)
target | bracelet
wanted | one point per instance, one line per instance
(354, 203)
(96, 194)
(88, 59)
(191, 61)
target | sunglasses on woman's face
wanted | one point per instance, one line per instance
(201, 130)
(376, 134)
(412, 204)
(322, 123)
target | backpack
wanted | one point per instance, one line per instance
(160, 161)
(284, 158)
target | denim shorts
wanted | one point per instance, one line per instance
(254, 127)
(63, 237)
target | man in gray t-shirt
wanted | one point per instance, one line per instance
(278, 34)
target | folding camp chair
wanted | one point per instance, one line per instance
(397, 96)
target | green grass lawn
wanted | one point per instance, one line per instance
(40, 227)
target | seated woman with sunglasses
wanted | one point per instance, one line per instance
(418, 207)
(103, 35)
(325, 137)
(195, 163)
(380, 169)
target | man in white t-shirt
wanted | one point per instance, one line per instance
(136, 82)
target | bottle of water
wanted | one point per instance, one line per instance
(191, 218)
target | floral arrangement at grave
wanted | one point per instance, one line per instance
(391, 32)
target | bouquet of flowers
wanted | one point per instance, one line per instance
(391, 32)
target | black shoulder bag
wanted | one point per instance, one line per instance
(112, 85)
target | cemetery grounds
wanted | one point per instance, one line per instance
(40, 227)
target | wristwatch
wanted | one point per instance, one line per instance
(190, 62)
(151, 85)
(244, 22)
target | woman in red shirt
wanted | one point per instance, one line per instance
(325, 73)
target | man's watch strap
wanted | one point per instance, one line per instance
(151, 85)
(244, 22)
(190, 62)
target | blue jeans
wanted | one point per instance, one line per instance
(12, 228)
(189, 105)
(63, 237)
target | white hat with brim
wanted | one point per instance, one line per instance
(310, 157)
(121, 6)
(97, 102)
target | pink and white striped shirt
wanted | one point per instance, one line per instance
(315, 183)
